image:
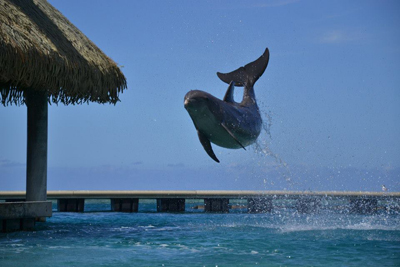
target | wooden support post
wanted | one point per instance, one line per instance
(259, 205)
(216, 205)
(308, 204)
(71, 204)
(125, 204)
(36, 160)
(363, 205)
(27, 224)
(170, 204)
(11, 225)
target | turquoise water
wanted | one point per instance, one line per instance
(147, 238)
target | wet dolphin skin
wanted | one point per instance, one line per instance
(225, 122)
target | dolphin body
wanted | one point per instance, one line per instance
(227, 123)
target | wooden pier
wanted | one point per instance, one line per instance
(18, 214)
(214, 201)
(201, 194)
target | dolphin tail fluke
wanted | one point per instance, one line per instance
(247, 74)
(207, 145)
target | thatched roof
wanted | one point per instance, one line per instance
(41, 50)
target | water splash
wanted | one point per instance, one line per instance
(262, 148)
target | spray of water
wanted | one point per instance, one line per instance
(262, 149)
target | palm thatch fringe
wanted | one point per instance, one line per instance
(41, 50)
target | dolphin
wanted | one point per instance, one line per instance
(225, 122)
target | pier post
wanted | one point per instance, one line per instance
(36, 162)
(170, 204)
(17, 225)
(308, 204)
(125, 204)
(363, 205)
(36, 156)
(11, 225)
(259, 205)
(216, 205)
(70, 204)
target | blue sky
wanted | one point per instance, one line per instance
(331, 93)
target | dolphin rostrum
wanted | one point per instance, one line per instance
(224, 122)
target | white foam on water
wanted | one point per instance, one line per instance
(358, 226)
(59, 247)
(383, 238)
(17, 245)
(369, 226)
(317, 222)
(123, 229)
(146, 226)
(182, 246)
(165, 228)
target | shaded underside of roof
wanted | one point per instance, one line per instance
(41, 50)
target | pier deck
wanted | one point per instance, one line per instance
(218, 201)
(201, 194)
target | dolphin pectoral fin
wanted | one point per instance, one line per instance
(231, 134)
(229, 93)
(207, 145)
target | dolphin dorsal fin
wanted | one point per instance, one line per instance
(229, 93)
(207, 145)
